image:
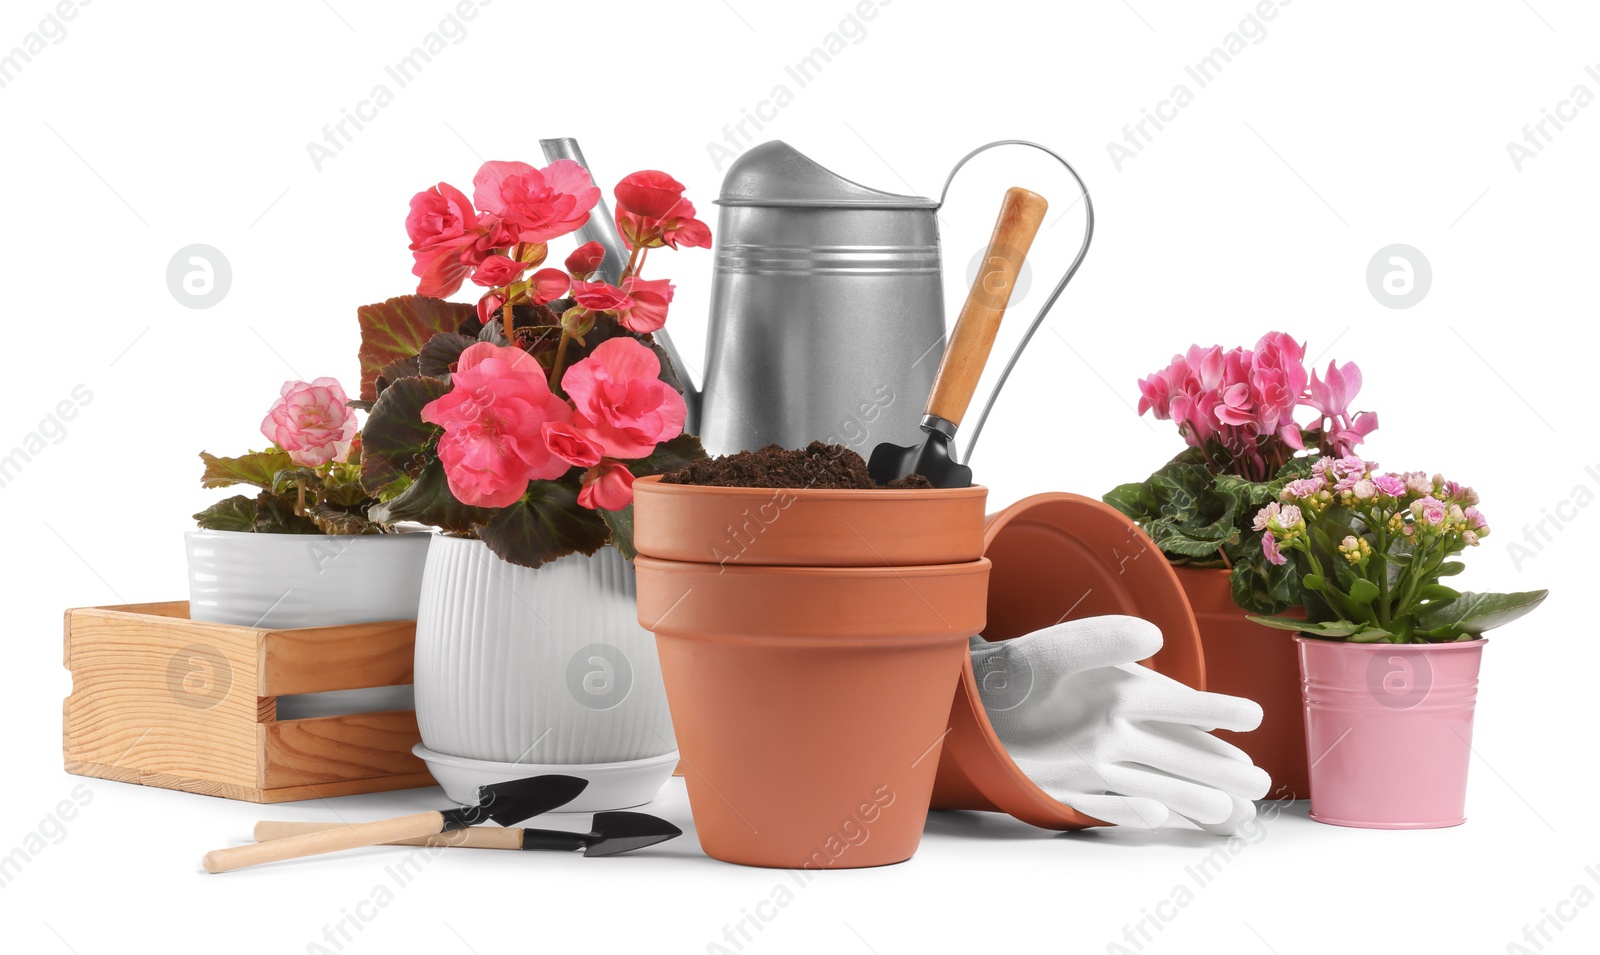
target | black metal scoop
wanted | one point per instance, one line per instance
(613, 834)
(968, 351)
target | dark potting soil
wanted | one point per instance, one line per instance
(817, 466)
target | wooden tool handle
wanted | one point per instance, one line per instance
(330, 840)
(476, 837)
(1020, 214)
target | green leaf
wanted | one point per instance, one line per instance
(1327, 628)
(1437, 592)
(275, 515)
(427, 500)
(669, 456)
(237, 513)
(1450, 568)
(621, 524)
(1137, 501)
(1363, 592)
(1473, 613)
(255, 468)
(398, 328)
(546, 524)
(396, 442)
(286, 481)
(1262, 587)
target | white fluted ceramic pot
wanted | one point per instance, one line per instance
(523, 670)
(286, 581)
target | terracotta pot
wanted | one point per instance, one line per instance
(1058, 557)
(1390, 727)
(810, 700)
(814, 527)
(1258, 663)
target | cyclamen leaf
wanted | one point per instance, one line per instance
(256, 468)
(398, 328)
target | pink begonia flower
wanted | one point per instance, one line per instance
(1269, 548)
(586, 259)
(498, 271)
(537, 205)
(547, 285)
(600, 297)
(620, 403)
(448, 239)
(607, 486)
(489, 306)
(1391, 485)
(649, 193)
(650, 300)
(493, 419)
(566, 443)
(311, 421)
(440, 216)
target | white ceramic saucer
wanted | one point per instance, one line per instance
(611, 785)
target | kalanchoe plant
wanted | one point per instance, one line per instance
(308, 480)
(1373, 549)
(1254, 420)
(523, 421)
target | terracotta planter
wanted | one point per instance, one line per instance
(810, 699)
(1390, 731)
(1258, 663)
(1058, 557)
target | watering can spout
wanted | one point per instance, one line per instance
(602, 228)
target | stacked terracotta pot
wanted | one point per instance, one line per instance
(811, 642)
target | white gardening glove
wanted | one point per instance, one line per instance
(1112, 739)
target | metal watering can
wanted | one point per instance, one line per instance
(827, 305)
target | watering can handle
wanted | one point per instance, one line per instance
(1055, 293)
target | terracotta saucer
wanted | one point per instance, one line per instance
(1058, 557)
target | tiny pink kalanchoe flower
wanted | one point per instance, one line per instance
(1303, 488)
(311, 421)
(1269, 548)
(1429, 509)
(1390, 485)
(1364, 489)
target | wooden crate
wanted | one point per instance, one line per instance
(162, 700)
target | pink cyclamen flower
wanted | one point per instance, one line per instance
(493, 419)
(650, 298)
(547, 285)
(568, 444)
(620, 402)
(586, 260)
(498, 271)
(1269, 548)
(537, 205)
(1391, 485)
(311, 421)
(607, 486)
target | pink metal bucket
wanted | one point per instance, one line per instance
(1389, 731)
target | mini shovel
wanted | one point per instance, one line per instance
(614, 833)
(506, 803)
(959, 370)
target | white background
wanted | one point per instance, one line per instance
(1348, 127)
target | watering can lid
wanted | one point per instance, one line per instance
(776, 174)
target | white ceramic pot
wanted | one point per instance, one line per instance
(544, 666)
(284, 581)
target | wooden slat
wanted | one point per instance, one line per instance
(327, 749)
(337, 658)
(162, 695)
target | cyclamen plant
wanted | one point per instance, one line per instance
(524, 420)
(1374, 547)
(1248, 416)
(308, 480)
